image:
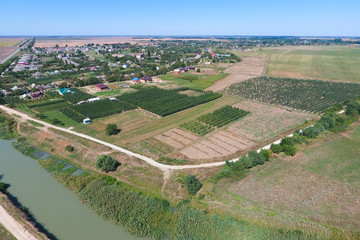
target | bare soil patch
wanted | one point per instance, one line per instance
(218, 145)
(177, 138)
(6, 51)
(249, 67)
(265, 121)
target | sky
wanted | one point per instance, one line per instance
(196, 17)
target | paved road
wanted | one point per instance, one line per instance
(150, 161)
(14, 227)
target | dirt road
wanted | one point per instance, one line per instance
(152, 162)
(14, 227)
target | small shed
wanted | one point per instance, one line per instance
(86, 120)
(136, 80)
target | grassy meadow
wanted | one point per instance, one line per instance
(335, 63)
(315, 190)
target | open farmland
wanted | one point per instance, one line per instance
(308, 95)
(249, 67)
(334, 63)
(266, 121)
(9, 42)
(139, 125)
(80, 41)
(316, 189)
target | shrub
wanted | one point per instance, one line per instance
(266, 154)
(289, 150)
(111, 129)
(69, 148)
(4, 187)
(275, 148)
(106, 163)
(193, 184)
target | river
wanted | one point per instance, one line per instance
(53, 205)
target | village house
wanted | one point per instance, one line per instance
(37, 95)
(146, 79)
(101, 87)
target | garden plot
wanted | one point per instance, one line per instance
(266, 121)
(177, 138)
(221, 144)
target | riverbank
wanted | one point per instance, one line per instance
(16, 221)
(143, 214)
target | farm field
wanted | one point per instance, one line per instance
(249, 67)
(6, 51)
(305, 191)
(265, 122)
(138, 125)
(335, 63)
(80, 41)
(9, 42)
(192, 80)
(307, 95)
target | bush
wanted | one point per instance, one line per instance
(266, 154)
(111, 129)
(193, 184)
(106, 163)
(289, 150)
(69, 148)
(275, 148)
(198, 70)
(4, 187)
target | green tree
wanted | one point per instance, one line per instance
(106, 163)
(275, 148)
(4, 187)
(69, 148)
(111, 129)
(193, 184)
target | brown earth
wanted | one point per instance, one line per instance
(218, 145)
(6, 51)
(177, 138)
(266, 121)
(249, 67)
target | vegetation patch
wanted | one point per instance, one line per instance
(309, 95)
(211, 121)
(165, 102)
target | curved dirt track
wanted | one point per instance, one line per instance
(150, 161)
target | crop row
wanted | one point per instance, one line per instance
(209, 122)
(165, 102)
(96, 109)
(222, 116)
(309, 95)
(197, 127)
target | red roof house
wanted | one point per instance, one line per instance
(101, 87)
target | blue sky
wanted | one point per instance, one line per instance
(197, 17)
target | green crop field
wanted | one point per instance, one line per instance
(196, 81)
(337, 63)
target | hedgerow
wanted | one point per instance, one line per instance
(310, 95)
